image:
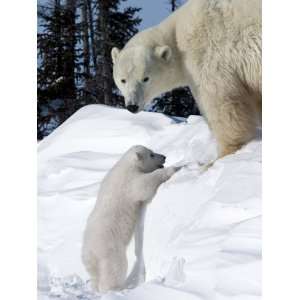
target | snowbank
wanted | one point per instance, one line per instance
(202, 230)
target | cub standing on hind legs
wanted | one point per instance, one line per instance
(132, 182)
(211, 46)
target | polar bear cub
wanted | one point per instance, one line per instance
(133, 181)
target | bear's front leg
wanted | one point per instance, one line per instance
(148, 183)
(231, 112)
(138, 272)
(161, 175)
(234, 124)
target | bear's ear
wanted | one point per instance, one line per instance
(163, 52)
(114, 54)
(139, 156)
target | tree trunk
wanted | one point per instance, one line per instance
(104, 55)
(58, 36)
(92, 33)
(69, 60)
(86, 48)
(86, 44)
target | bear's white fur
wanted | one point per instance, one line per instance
(131, 183)
(212, 46)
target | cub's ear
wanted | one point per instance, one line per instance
(114, 54)
(139, 156)
(163, 52)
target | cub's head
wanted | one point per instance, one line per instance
(138, 73)
(146, 160)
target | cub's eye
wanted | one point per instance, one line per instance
(152, 155)
(123, 80)
(146, 79)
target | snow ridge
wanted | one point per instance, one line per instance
(202, 232)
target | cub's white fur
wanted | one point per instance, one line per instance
(212, 46)
(131, 183)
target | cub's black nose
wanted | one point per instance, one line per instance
(132, 108)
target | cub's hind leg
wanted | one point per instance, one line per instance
(112, 271)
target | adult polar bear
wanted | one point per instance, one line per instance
(212, 46)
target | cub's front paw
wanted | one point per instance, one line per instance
(172, 170)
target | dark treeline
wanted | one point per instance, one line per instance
(75, 38)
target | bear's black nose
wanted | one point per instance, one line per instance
(132, 108)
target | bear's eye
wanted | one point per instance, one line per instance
(123, 80)
(152, 155)
(146, 79)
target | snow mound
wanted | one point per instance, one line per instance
(202, 232)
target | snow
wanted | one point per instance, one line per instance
(202, 231)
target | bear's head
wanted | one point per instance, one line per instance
(141, 73)
(145, 159)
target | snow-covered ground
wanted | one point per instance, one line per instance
(202, 232)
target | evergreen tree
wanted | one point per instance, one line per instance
(70, 62)
(174, 4)
(57, 63)
(178, 102)
(123, 25)
(111, 27)
(75, 38)
(50, 66)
